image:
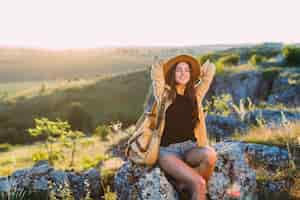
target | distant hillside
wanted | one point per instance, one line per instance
(23, 64)
(85, 105)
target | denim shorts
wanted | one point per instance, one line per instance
(177, 149)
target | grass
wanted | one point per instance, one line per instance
(289, 134)
(92, 151)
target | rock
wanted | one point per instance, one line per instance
(137, 182)
(94, 186)
(240, 85)
(4, 184)
(271, 156)
(221, 127)
(232, 169)
(39, 177)
(286, 88)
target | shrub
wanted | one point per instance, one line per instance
(5, 147)
(291, 54)
(39, 155)
(55, 131)
(89, 162)
(256, 59)
(219, 105)
(231, 59)
(79, 118)
(204, 57)
(102, 131)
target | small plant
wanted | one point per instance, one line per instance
(243, 108)
(39, 155)
(70, 140)
(256, 59)
(55, 132)
(260, 121)
(102, 131)
(5, 147)
(89, 162)
(219, 104)
(291, 54)
(108, 195)
(229, 60)
(52, 131)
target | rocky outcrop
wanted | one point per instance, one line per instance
(286, 88)
(239, 85)
(44, 178)
(233, 167)
(221, 127)
(273, 86)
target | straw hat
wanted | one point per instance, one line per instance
(168, 64)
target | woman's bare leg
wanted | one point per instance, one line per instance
(181, 172)
(203, 159)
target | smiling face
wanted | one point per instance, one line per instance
(182, 73)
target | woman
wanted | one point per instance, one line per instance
(176, 100)
(189, 164)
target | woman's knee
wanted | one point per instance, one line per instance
(211, 156)
(202, 155)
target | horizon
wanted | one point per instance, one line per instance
(111, 24)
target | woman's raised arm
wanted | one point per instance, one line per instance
(158, 80)
(208, 71)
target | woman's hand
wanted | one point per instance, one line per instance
(208, 70)
(207, 73)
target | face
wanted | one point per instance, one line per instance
(182, 73)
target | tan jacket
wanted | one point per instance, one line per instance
(158, 99)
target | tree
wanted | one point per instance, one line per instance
(53, 132)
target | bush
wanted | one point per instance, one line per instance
(219, 105)
(79, 118)
(291, 54)
(5, 147)
(232, 59)
(256, 59)
(203, 58)
(102, 131)
(88, 162)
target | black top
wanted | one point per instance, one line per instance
(178, 121)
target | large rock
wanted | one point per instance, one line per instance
(240, 85)
(286, 88)
(39, 177)
(221, 127)
(233, 167)
(136, 182)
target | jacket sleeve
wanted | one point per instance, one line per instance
(158, 80)
(200, 130)
(206, 79)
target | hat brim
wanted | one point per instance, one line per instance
(195, 73)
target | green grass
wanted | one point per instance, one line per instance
(92, 151)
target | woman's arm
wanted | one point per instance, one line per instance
(208, 71)
(158, 80)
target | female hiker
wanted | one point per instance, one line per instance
(173, 132)
(190, 163)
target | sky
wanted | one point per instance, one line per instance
(88, 24)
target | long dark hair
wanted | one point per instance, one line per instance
(189, 90)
